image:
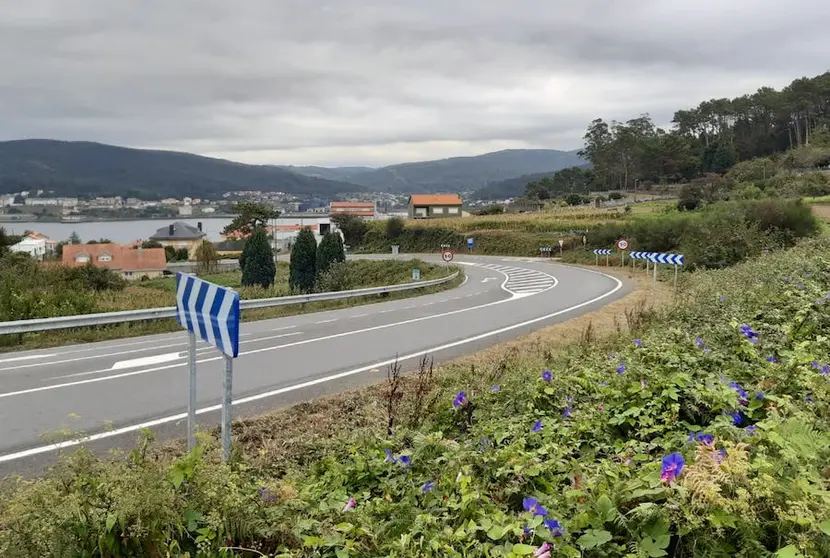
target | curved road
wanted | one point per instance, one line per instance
(110, 390)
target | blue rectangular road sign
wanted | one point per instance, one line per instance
(470, 242)
(209, 311)
(676, 259)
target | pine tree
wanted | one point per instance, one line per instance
(329, 251)
(303, 267)
(259, 267)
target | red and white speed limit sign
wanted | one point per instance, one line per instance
(447, 256)
(622, 244)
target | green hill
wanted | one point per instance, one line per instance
(85, 168)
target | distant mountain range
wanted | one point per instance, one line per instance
(462, 174)
(76, 168)
(86, 168)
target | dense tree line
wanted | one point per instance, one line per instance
(709, 138)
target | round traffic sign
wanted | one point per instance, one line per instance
(622, 244)
(447, 256)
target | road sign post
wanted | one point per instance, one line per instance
(395, 249)
(447, 256)
(675, 259)
(211, 312)
(416, 274)
(470, 243)
(561, 244)
(604, 251)
(622, 246)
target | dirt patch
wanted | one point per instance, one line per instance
(822, 211)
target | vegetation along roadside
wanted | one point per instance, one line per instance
(700, 429)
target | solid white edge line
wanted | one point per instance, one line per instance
(132, 428)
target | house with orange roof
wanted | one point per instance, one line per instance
(130, 263)
(434, 206)
(366, 210)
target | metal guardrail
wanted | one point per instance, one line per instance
(88, 320)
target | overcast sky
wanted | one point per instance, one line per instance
(337, 82)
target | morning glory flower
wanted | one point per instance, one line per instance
(747, 332)
(389, 457)
(721, 455)
(427, 487)
(350, 505)
(567, 412)
(700, 437)
(825, 370)
(532, 505)
(603, 384)
(547, 376)
(621, 368)
(555, 527)
(405, 460)
(495, 388)
(671, 467)
(699, 343)
(815, 365)
(737, 417)
(460, 400)
(638, 342)
(759, 396)
(537, 426)
(772, 359)
(542, 552)
(743, 396)
(808, 399)
(751, 430)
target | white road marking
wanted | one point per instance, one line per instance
(360, 315)
(326, 321)
(265, 395)
(146, 361)
(28, 357)
(282, 328)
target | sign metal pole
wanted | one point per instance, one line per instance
(191, 407)
(227, 391)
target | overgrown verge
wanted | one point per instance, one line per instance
(703, 432)
(24, 298)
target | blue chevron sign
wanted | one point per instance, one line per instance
(209, 311)
(602, 251)
(638, 255)
(675, 259)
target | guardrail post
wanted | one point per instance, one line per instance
(191, 406)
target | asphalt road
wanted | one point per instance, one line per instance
(109, 391)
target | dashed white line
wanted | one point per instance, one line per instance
(359, 316)
(326, 321)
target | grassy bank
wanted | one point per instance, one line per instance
(494, 456)
(162, 292)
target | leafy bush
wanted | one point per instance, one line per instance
(394, 227)
(708, 435)
(329, 252)
(353, 227)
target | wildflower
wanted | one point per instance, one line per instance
(547, 376)
(747, 332)
(603, 384)
(815, 365)
(405, 460)
(642, 383)
(723, 298)
(427, 487)
(772, 359)
(808, 398)
(266, 495)
(621, 368)
(700, 437)
(533, 506)
(759, 395)
(567, 412)
(638, 342)
(555, 527)
(721, 455)
(699, 343)
(390, 457)
(460, 400)
(808, 274)
(671, 467)
(737, 417)
(825, 370)
(495, 388)
(542, 552)
(611, 355)
(350, 505)
(751, 430)
(537, 426)
(743, 396)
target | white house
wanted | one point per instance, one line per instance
(35, 247)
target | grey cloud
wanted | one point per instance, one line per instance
(340, 76)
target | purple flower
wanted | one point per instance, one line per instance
(495, 388)
(737, 417)
(723, 298)
(537, 426)
(460, 400)
(611, 355)
(825, 370)
(638, 342)
(547, 376)
(699, 343)
(567, 412)
(542, 552)
(747, 332)
(350, 505)
(815, 365)
(808, 274)
(266, 495)
(532, 505)
(700, 437)
(642, 383)
(772, 359)
(759, 396)
(621, 368)
(427, 487)
(555, 527)
(671, 467)
(389, 456)
(743, 396)
(721, 455)
(603, 384)
(808, 399)
(751, 430)
(405, 461)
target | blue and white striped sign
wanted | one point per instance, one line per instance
(638, 255)
(676, 259)
(209, 311)
(603, 251)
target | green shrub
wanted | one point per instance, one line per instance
(394, 227)
(257, 261)
(303, 267)
(329, 252)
